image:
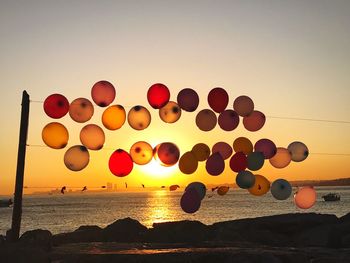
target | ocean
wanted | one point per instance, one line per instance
(64, 213)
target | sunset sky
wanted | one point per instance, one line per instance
(291, 57)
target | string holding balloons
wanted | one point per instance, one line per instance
(244, 157)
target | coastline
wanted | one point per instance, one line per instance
(299, 237)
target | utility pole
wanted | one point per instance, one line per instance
(13, 233)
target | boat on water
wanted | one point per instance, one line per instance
(331, 197)
(6, 202)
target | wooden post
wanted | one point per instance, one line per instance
(13, 234)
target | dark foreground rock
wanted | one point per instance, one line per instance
(304, 237)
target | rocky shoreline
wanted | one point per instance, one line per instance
(301, 237)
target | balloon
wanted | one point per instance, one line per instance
(56, 106)
(281, 189)
(267, 147)
(243, 105)
(76, 158)
(190, 201)
(188, 163)
(261, 186)
(222, 190)
(299, 151)
(55, 135)
(223, 148)
(141, 152)
(243, 144)
(305, 197)
(238, 162)
(92, 137)
(120, 163)
(201, 151)
(255, 121)
(199, 187)
(173, 187)
(103, 93)
(245, 179)
(281, 159)
(218, 99)
(255, 161)
(188, 100)
(215, 164)
(170, 113)
(114, 117)
(158, 95)
(139, 118)
(228, 120)
(167, 153)
(206, 120)
(81, 110)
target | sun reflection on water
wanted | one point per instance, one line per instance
(160, 208)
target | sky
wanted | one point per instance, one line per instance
(291, 57)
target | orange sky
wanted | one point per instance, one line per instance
(290, 58)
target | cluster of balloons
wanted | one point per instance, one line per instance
(244, 157)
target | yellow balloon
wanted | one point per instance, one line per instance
(261, 185)
(76, 158)
(92, 137)
(139, 118)
(114, 117)
(55, 135)
(141, 152)
(188, 163)
(201, 151)
(170, 113)
(243, 144)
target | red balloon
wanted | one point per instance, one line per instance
(168, 153)
(103, 93)
(218, 99)
(56, 106)
(267, 147)
(238, 162)
(120, 163)
(158, 95)
(190, 201)
(215, 164)
(228, 120)
(255, 121)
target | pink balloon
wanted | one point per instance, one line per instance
(305, 197)
(103, 93)
(223, 148)
(243, 105)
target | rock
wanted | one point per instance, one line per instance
(2, 240)
(315, 237)
(180, 232)
(82, 234)
(37, 238)
(124, 230)
(345, 218)
(27, 254)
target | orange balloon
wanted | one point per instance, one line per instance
(141, 152)
(81, 110)
(222, 190)
(305, 197)
(92, 137)
(76, 158)
(243, 144)
(255, 121)
(188, 163)
(114, 117)
(139, 118)
(201, 151)
(55, 135)
(281, 159)
(170, 113)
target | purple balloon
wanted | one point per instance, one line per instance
(190, 201)
(267, 147)
(228, 120)
(188, 100)
(215, 164)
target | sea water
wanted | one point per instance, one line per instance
(64, 213)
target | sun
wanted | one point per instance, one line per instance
(156, 170)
